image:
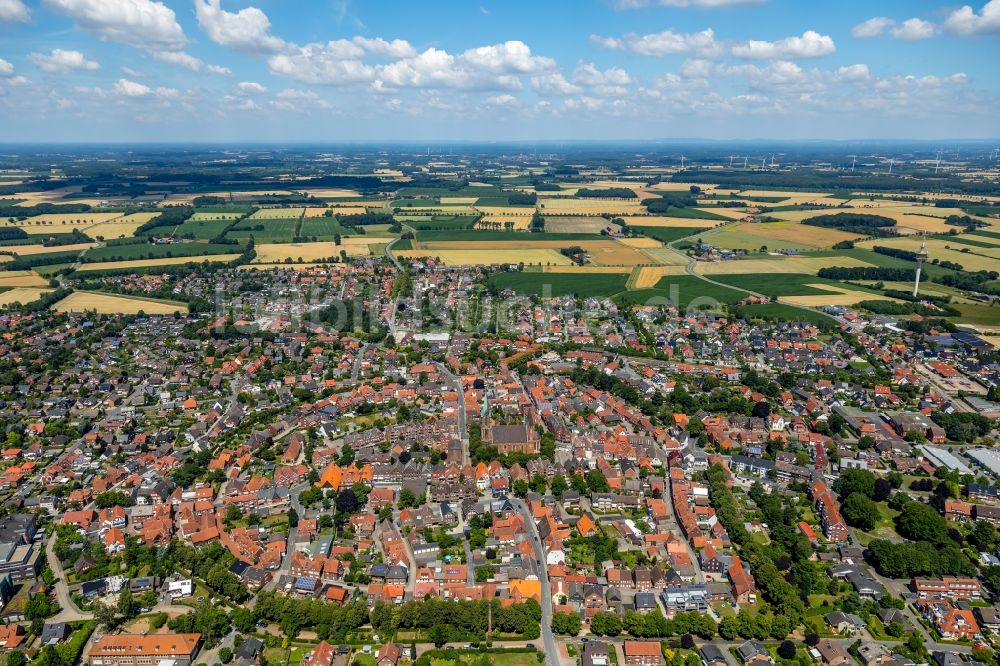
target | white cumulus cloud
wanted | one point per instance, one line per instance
(810, 44)
(250, 88)
(663, 43)
(146, 24)
(966, 21)
(873, 27)
(188, 61)
(61, 61)
(913, 29)
(13, 10)
(247, 30)
(128, 88)
(6, 69)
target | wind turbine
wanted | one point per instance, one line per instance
(854, 160)
(892, 160)
(772, 159)
(762, 160)
(746, 160)
(732, 156)
(938, 164)
(682, 161)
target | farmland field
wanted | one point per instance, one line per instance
(834, 296)
(22, 295)
(775, 235)
(790, 264)
(151, 251)
(970, 258)
(561, 206)
(589, 270)
(323, 228)
(487, 257)
(640, 242)
(22, 279)
(578, 225)
(265, 231)
(341, 210)
(519, 223)
(271, 253)
(785, 284)
(120, 227)
(681, 290)
(669, 221)
(645, 277)
(27, 250)
(210, 215)
(670, 234)
(278, 214)
(202, 229)
(165, 261)
(666, 256)
(80, 301)
(560, 284)
(602, 252)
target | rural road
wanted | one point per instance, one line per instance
(68, 610)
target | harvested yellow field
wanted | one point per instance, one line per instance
(278, 214)
(349, 204)
(27, 250)
(209, 216)
(449, 201)
(668, 186)
(792, 232)
(993, 340)
(489, 257)
(488, 222)
(806, 265)
(601, 252)
(74, 219)
(83, 301)
(292, 267)
(788, 194)
(165, 261)
(665, 221)
(971, 258)
(590, 206)
(666, 256)
(507, 211)
(22, 279)
(272, 253)
(640, 242)
(22, 295)
(365, 240)
(339, 210)
(649, 276)
(613, 270)
(332, 192)
(121, 227)
(837, 296)
(6, 257)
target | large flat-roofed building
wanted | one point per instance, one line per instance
(21, 561)
(943, 458)
(139, 650)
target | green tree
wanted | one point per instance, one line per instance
(860, 511)
(566, 624)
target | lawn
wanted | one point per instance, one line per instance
(560, 284)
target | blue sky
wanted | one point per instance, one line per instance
(336, 70)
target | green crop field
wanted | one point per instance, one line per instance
(149, 251)
(784, 284)
(682, 290)
(560, 284)
(696, 214)
(323, 228)
(203, 229)
(782, 312)
(669, 234)
(265, 231)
